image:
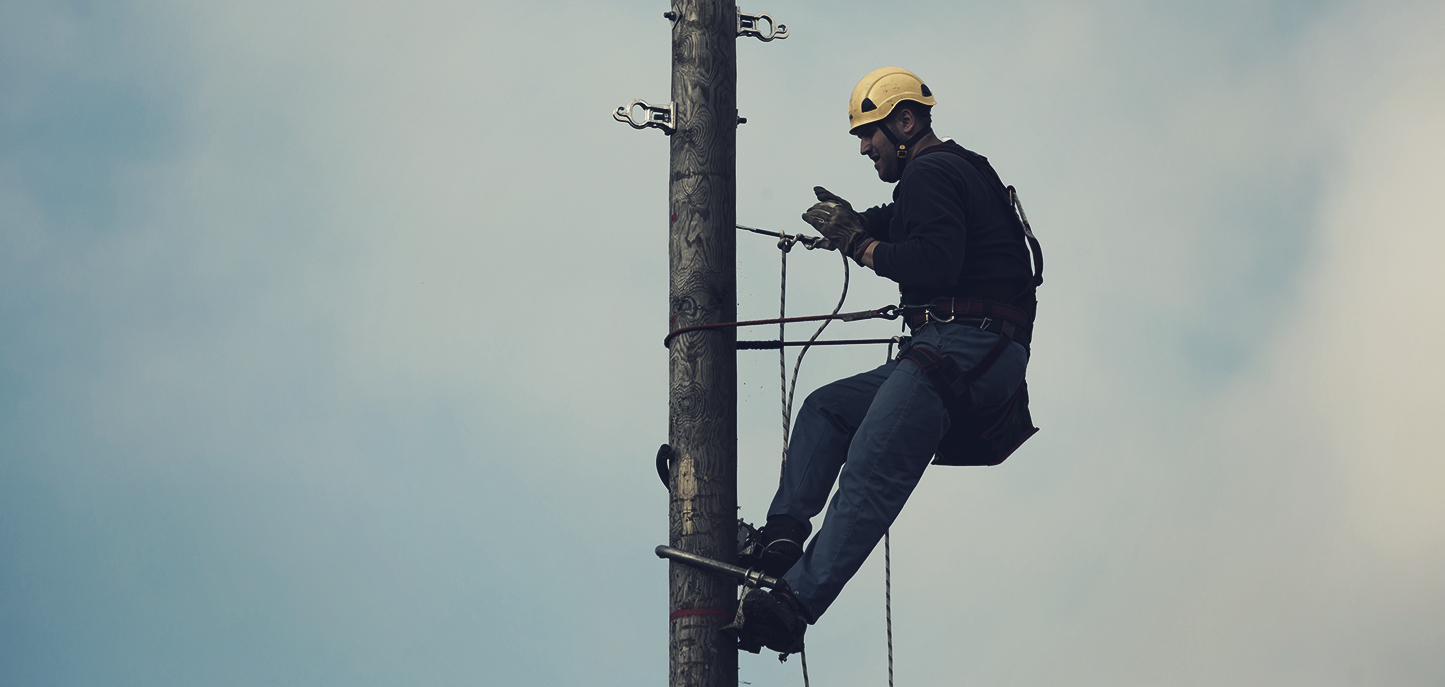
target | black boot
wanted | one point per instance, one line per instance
(768, 619)
(776, 547)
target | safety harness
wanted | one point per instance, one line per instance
(987, 439)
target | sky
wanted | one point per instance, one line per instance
(330, 341)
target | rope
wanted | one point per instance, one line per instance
(887, 312)
(789, 386)
(793, 385)
(784, 245)
(810, 242)
(888, 581)
(770, 345)
(888, 597)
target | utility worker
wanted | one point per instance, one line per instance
(960, 254)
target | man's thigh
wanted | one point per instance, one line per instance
(966, 346)
(846, 401)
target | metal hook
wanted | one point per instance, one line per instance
(814, 242)
(653, 115)
(748, 26)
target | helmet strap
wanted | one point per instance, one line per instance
(903, 146)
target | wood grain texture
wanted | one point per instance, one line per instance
(702, 418)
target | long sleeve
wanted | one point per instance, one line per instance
(879, 219)
(931, 238)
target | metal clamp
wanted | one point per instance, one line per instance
(652, 115)
(748, 26)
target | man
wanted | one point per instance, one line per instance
(961, 257)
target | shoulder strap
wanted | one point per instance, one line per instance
(1007, 194)
(979, 163)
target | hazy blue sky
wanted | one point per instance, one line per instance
(330, 341)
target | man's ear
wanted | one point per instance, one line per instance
(906, 121)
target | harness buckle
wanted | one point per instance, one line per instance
(927, 314)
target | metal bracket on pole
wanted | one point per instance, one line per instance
(652, 115)
(748, 26)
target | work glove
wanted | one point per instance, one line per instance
(836, 220)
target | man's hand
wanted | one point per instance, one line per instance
(835, 219)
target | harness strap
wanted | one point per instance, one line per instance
(1021, 335)
(951, 383)
(972, 307)
(1010, 198)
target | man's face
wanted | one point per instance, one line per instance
(873, 143)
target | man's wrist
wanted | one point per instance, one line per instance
(863, 255)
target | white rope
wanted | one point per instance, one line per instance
(793, 385)
(888, 597)
(789, 387)
(784, 245)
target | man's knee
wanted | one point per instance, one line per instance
(820, 400)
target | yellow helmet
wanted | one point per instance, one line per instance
(878, 93)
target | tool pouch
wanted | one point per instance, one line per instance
(974, 440)
(989, 439)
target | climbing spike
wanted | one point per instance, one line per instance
(751, 578)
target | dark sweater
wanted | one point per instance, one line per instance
(949, 233)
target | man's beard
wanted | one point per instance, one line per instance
(891, 172)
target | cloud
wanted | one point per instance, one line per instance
(331, 344)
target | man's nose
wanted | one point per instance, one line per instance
(863, 146)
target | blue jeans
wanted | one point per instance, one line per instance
(879, 429)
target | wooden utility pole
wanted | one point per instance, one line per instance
(702, 407)
(702, 120)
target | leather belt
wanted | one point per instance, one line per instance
(988, 316)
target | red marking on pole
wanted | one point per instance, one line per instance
(674, 219)
(704, 611)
